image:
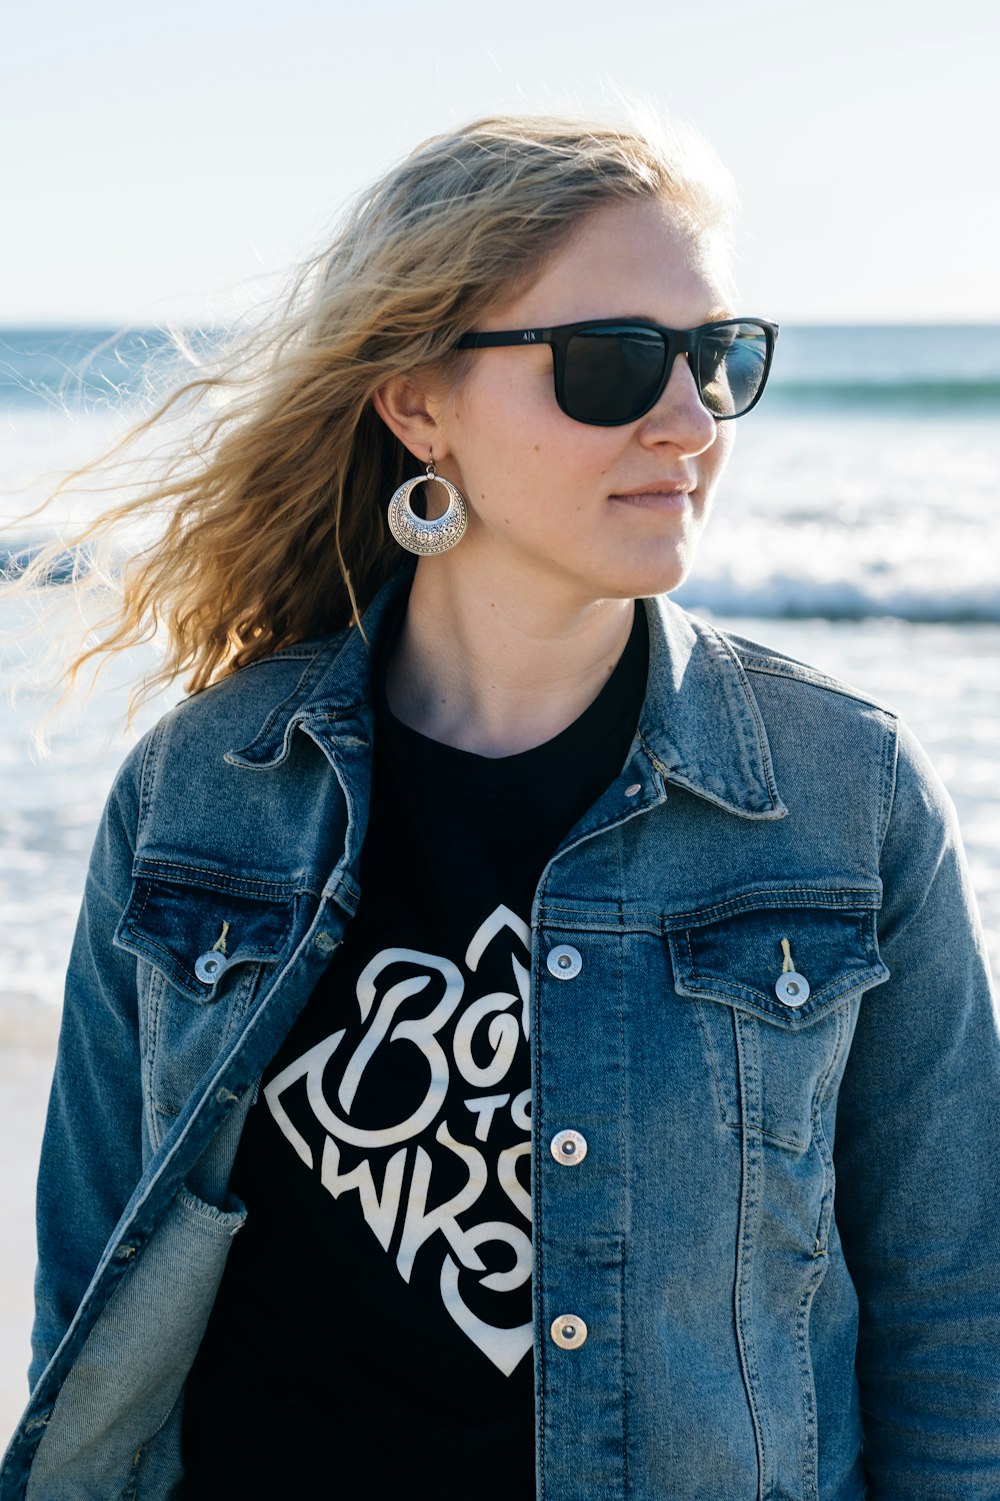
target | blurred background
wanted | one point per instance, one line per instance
(173, 163)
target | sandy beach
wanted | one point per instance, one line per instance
(25, 1070)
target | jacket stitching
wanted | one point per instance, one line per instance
(537, 1125)
(769, 667)
(750, 1188)
(839, 899)
(713, 1068)
(157, 980)
(887, 791)
(810, 1436)
(201, 876)
(623, 1116)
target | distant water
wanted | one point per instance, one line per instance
(858, 527)
(931, 368)
(864, 485)
(84, 369)
(869, 366)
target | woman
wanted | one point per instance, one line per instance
(518, 964)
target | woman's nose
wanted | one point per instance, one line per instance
(680, 416)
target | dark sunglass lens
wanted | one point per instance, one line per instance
(612, 375)
(732, 365)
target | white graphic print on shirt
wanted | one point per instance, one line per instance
(331, 1093)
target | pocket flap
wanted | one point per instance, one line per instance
(739, 959)
(174, 926)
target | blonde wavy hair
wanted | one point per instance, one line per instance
(270, 513)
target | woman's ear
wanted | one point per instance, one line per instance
(405, 408)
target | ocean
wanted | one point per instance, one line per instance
(857, 527)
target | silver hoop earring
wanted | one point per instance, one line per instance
(426, 538)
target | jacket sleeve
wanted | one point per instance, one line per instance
(91, 1148)
(918, 1168)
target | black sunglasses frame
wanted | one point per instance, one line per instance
(675, 341)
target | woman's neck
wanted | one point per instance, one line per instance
(494, 672)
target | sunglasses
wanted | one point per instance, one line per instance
(610, 371)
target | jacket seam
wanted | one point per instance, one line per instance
(154, 1003)
(147, 776)
(536, 1132)
(751, 1159)
(889, 783)
(213, 880)
(770, 667)
(667, 922)
(623, 1116)
(713, 1067)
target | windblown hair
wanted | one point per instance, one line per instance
(271, 512)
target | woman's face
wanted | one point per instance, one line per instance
(589, 512)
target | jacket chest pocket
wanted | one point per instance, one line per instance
(203, 956)
(776, 992)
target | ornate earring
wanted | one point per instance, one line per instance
(426, 538)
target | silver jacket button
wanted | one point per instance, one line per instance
(568, 1147)
(208, 967)
(791, 988)
(564, 962)
(568, 1331)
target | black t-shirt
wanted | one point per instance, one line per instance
(373, 1325)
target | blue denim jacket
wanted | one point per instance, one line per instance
(780, 1253)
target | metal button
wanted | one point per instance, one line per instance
(791, 988)
(568, 1147)
(564, 962)
(635, 788)
(208, 967)
(568, 1331)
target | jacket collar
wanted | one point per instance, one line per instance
(700, 722)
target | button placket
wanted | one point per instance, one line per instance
(568, 1148)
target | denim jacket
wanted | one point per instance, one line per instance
(774, 1273)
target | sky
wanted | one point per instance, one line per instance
(176, 161)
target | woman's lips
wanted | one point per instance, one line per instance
(656, 500)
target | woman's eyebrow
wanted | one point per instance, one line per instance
(723, 316)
